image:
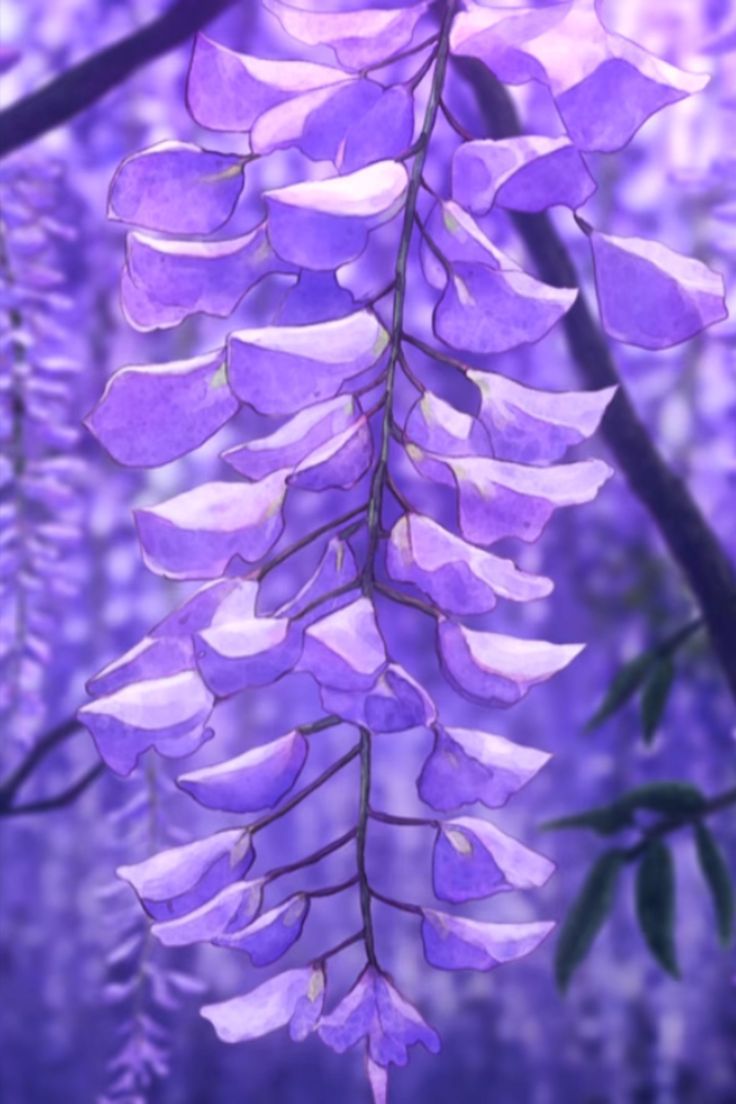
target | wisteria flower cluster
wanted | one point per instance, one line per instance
(381, 433)
(43, 502)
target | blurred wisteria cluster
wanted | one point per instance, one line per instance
(368, 590)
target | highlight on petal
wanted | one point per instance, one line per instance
(497, 669)
(244, 653)
(395, 703)
(221, 600)
(526, 173)
(177, 881)
(196, 534)
(345, 650)
(295, 998)
(438, 426)
(461, 240)
(282, 369)
(338, 463)
(359, 38)
(150, 658)
(474, 859)
(231, 91)
(168, 713)
(604, 92)
(295, 440)
(233, 907)
(455, 943)
(272, 934)
(336, 568)
(532, 426)
(500, 499)
(151, 414)
(255, 780)
(178, 188)
(375, 1010)
(651, 296)
(172, 279)
(321, 224)
(466, 766)
(456, 576)
(484, 310)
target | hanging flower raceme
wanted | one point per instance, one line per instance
(388, 286)
(42, 482)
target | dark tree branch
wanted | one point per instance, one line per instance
(66, 797)
(694, 546)
(38, 752)
(83, 85)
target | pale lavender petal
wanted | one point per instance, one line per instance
(336, 568)
(359, 38)
(438, 426)
(345, 650)
(374, 1009)
(233, 907)
(497, 669)
(220, 600)
(604, 93)
(177, 187)
(231, 91)
(294, 997)
(651, 296)
(466, 766)
(169, 714)
(177, 881)
(282, 369)
(338, 463)
(294, 440)
(255, 780)
(461, 241)
(395, 703)
(499, 499)
(527, 173)
(474, 859)
(143, 311)
(151, 658)
(241, 654)
(454, 943)
(458, 577)
(152, 414)
(196, 534)
(174, 279)
(533, 426)
(378, 1081)
(321, 224)
(383, 132)
(484, 310)
(272, 934)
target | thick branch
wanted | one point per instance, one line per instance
(83, 85)
(58, 801)
(36, 755)
(692, 543)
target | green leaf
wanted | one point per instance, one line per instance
(622, 689)
(655, 904)
(675, 799)
(587, 916)
(718, 876)
(655, 697)
(605, 819)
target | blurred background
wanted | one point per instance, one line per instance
(87, 1001)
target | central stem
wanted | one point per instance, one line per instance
(378, 484)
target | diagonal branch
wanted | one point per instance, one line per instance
(83, 85)
(59, 800)
(693, 545)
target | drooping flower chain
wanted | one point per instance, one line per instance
(417, 489)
